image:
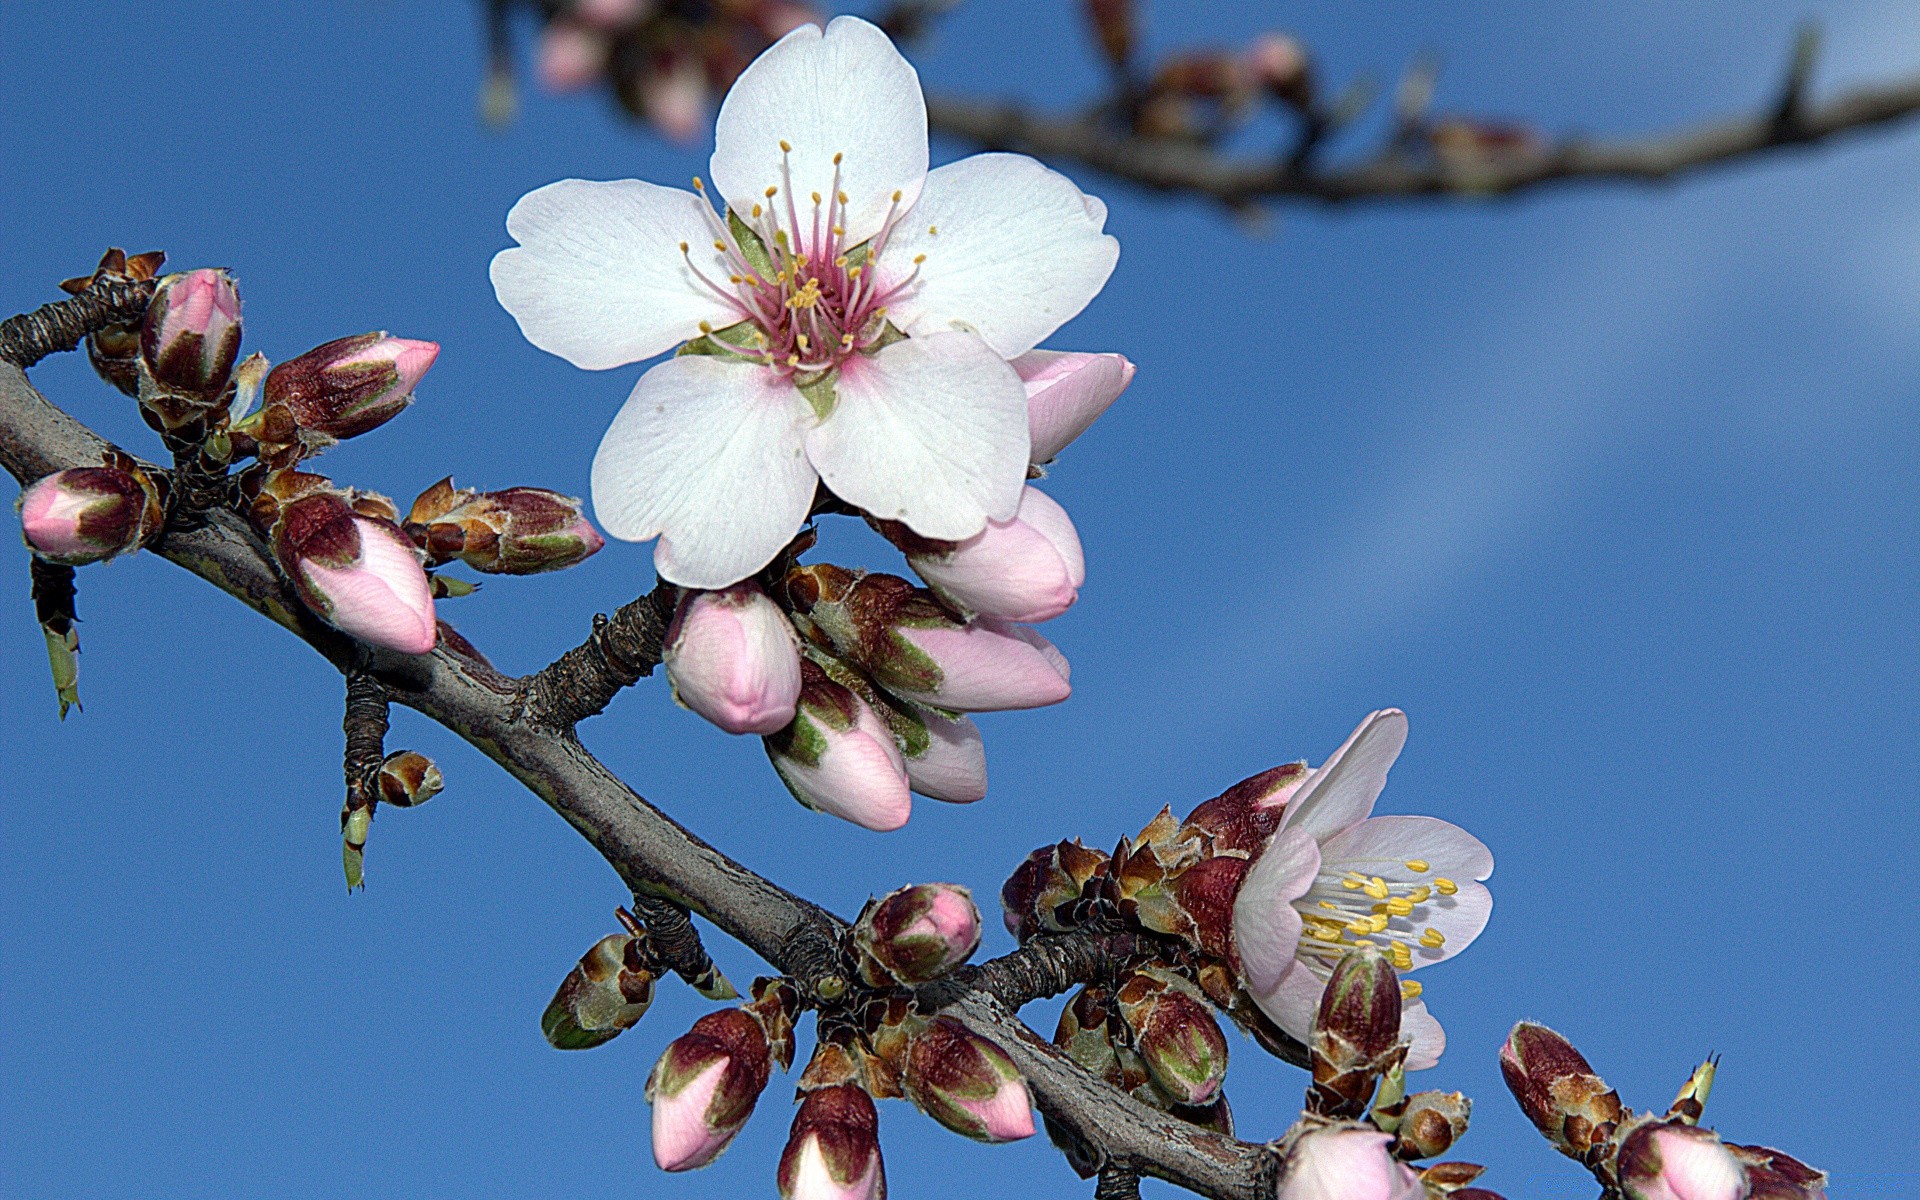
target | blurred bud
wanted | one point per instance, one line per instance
(1279, 64)
(358, 573)
(775, 19)
(342, 389)
(571, 56)
(604, 995)
(1175, 1035)
(1113, 25)
(612, 15)
(730, 657)
(1245, 815)
(1431, 1124)
(833, 1152)
(407, 778)
(1066, 392)
(1356, 1033)
(1346, 1163)
(1468, 144)
(1558, 1090)
(499, 97)
(1029, 568)
(89, 514)
(1205, 75)
(917, 933)
(675, 97)
(704, 1088)
(1474, 1193)
(1777, 1175)
(839, 757)
(967, 1083)
(189, 343)
(514, 531)
(1660, 1161)
(1036, 895)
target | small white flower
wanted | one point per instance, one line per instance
(836, 240)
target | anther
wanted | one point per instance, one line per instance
(1402, 957)
(1410, 989)
(684, 247)
(934, 230)
(697, 185)
(757, 210)
(1400, 906)
(1433, 939)
(772, 192)
(720, 245)
(843, 197)
(1419, 866)
(836, 162)
(1446, 887)
(786, 147)
(1375, 887)
(1420, 894)
(896, 197)
(918, 259)
(816, 197)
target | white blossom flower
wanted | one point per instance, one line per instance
(1333, 877)
(836, 241)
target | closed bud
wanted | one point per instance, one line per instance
(348, 386)
(1279, 64)
(1777, 1175)
(1356, 1033)
(1449, 1178)
(407, 778)
(833, 1152)
(704, 1088)
(358, 573)
(967, 1083)
(1245, 815)
(514, 531)
(1205, 75)
(1660, 1161)
(189, 343)
(1217, 1116)
(917, 934)
(1066, 392)
(839, 757)
(1558, 1090)
(730, 656)
(1083, 1032)
(1431, 1124)
(571, 56)
(1038, 895)
(1346, 1163)
(89, 514)
(1175, 1035)
(604, 995)
(1028, 568)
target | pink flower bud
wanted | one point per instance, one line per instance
(917, 933)
(1066, 392)
(571, 56)
(983, 666)
(730, 657)
(348, 386)
(1679, 1162)
(358, 573)
(953, 764)
(1336, 1163)
(967, 1083)
(191, 336)
(704, 1088)
(839, 757)
(1029, 568)
(675, 97)
(833, 1152)
(89, 514)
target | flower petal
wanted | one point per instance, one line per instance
(845, 92)
(954, 765)
(1429, 1040)
(1266, 929)
(599, 277)
(1384, 845)
(1066, 392)
(1013, 251)
(1294, 1002)
(1342, 791)
(707, 456)
(930, 431)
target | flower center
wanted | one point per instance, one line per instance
(807, 299)
(1345, 910)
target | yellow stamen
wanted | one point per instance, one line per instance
(684, 247)
(836, 162)
(697, 185)
(1433, 939)
(1419, 895)
(706, 327)
(1402, 957)
(757, 210)
(1419, 866)
(1377, 923)
(1446, 887)
(720, 245)
(1410, 989)
(1352, 885)
(816, 197)
(1330, 904)
(843, 197)
(772, 192)
(1375, 887)
(1399, 906)
(786, 147)
(896, 197)
(1361, 926)
(918, 259)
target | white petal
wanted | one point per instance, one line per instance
(1383, 845)
(1266, 929)
(930, 431)
(954, 765)
(1341, 793)
(846, 92)
(1294, 1002)
(1013, 251)
(598, 277)
(1429, 1040)
(707, 456)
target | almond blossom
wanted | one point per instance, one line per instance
(1333, 877)
(849, 319)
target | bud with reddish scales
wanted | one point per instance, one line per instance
(407, 778)
(1558, 1090)
(1027, 568)
(89, 514)
(1052, 878)
(917, 934)
(342, 389)
(1175, 1035)
(833, 1152)
(730, 656)
(189, 343)
(1777, 1175)
(1356, 1034)
(838, 756)
(1066, 392)
(605, 994)
(1431, 1123)
(514, 531)
(356, 571)
(967, 1083)
(1664, 1161)
(704, 1088)
(1243, 817)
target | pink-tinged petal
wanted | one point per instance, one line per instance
(1034, 638)
(954, 765)
(1266, 929)
(383, 598)
(1007, 1116)
(1066, 392)
(814, 1180)
(860, 777)
(707, 456)
(1427, 1040)
(1383, 846)
(730, 657)
(599, 277)
(844, 92)
(931, 432)
(1347, 1164)
(682, 1138)
(1030, 568)
(1679, 1162)
(50, 518)
(1342, 791)
(1013, 251)
(987, 666)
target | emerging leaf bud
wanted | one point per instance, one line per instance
(730, 657)
(833, 1152)
(1175, 1035)
(1432, 1122)
(1558, 1089)
(89, 514)
(358, 573)
(407, 778)
(839, 757)
(704, 1088)
(1066, 393)
(917, 934)
(1346, 1163)
(1039, 894)
(1029, 568)
(604, 995)
(967, 1083)
(1660, 1161)
(348, 386)
(1356, 1033)
(515, 531)
(189, 343)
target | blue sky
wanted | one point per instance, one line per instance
(1613, 490)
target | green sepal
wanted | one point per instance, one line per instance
(751, 247)
(818, 390)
